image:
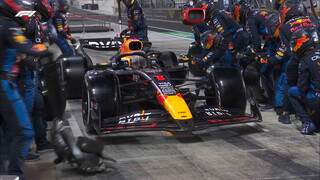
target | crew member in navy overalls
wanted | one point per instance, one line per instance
(136, 20)
(60, 22)
(14, 115)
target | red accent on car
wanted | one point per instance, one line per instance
(160, 77)
(161, 98)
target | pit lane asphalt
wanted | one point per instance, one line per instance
(268, 150)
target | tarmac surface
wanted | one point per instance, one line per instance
(267, 150)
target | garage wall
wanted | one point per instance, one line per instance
(107, 6)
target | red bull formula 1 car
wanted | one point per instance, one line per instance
(141, 91)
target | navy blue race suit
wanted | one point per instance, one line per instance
(137, 22)
(307, 91)
(286, 32)
(32, 95)
(234, 37)
(34, 33)
(256, 27)
(279, 59)
(63, 33)
(277, 4)
(294, 25)
(12, 108)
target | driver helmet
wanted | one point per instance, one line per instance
(63, 6)
(11, 9)
(273, 25)
(44, 8)
(303, 39)
(291, 9)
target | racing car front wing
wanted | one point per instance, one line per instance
(159, 120)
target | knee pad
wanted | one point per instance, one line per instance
(294, 91)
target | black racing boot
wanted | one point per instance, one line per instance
(32, 157)
(284, 118)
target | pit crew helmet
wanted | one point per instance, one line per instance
(63, 6)
(11, 9)
(44, 8)
(208, 6)
(303, 39)
(273, 25)
(291, 9)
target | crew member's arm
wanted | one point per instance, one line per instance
(17, 39)
(59, 23)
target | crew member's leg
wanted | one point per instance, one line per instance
(296, 98)
(18, 125)
(280, 98)
(40, 125)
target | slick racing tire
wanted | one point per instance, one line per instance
(230, 88)
(72, 72)
(100, 100)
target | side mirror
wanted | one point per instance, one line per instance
(193, 16)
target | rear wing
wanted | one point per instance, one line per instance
(101, 43)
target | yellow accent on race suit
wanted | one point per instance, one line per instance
(60, 27)
(177, 108)
(280, 53)
(21, 39)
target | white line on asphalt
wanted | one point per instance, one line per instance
(73, 124)
(171, 31)
(174, 36)
(166, 29)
